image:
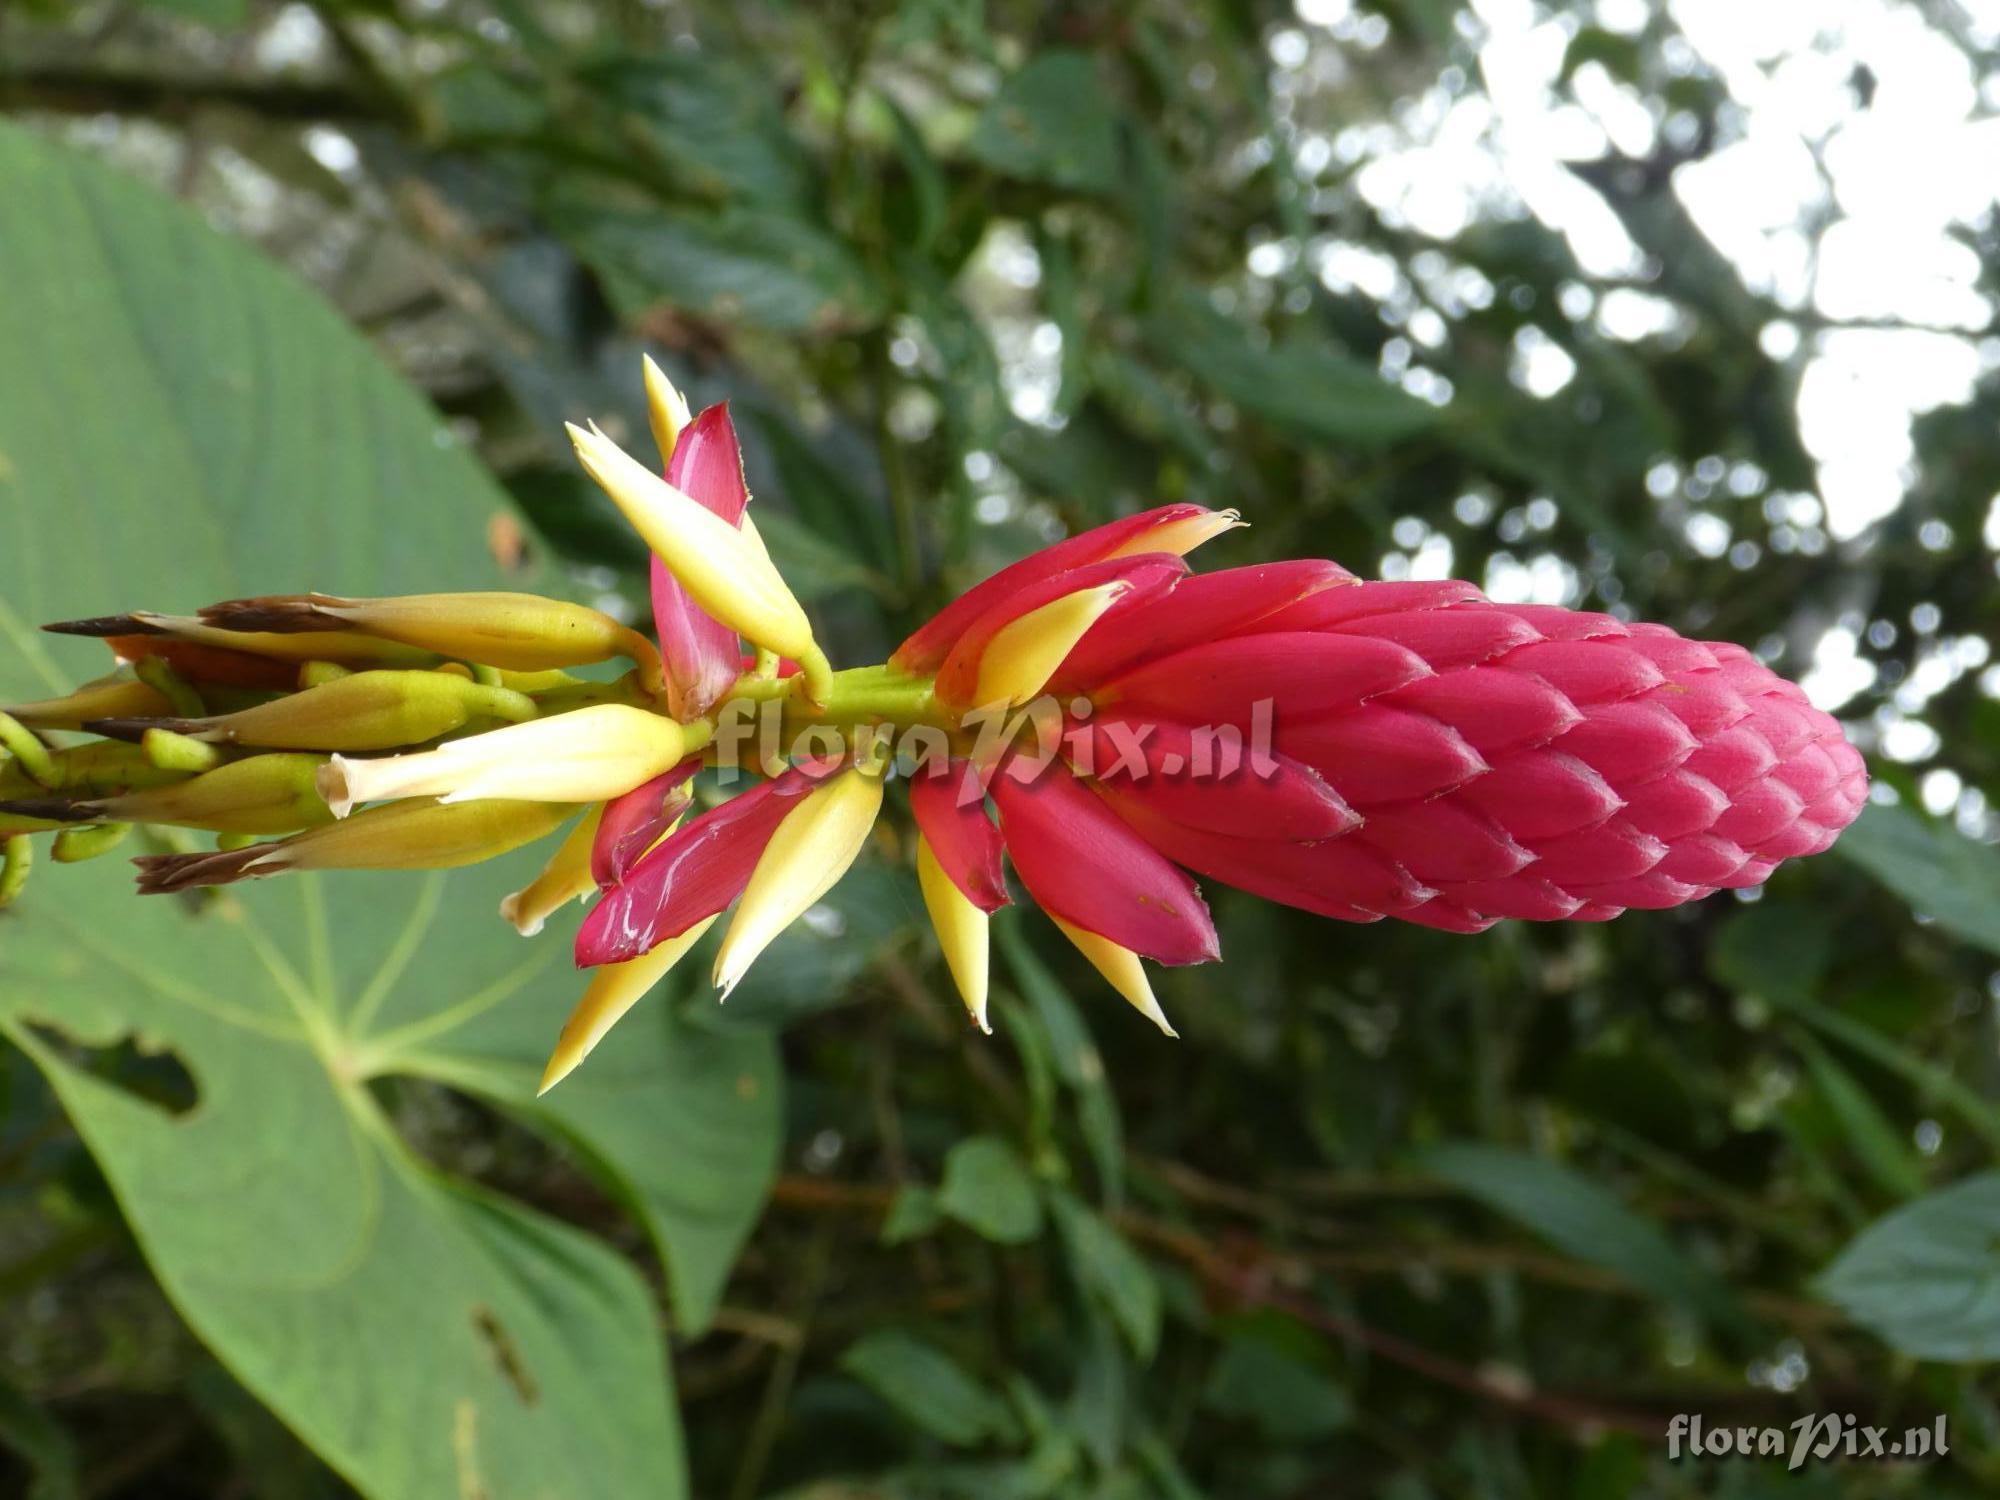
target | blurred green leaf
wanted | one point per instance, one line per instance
(912, 1215)
(1926, 1278)
(1111, 1271)
(1256, 1380)
(1776, 949)
(1882, 1151)
(718, 119)
(759, 266)
(929, 1389)
(1941, 873)
(1299, 384)
(1053, 122)
(987, 1188)
(221, 14)
(1581, 1219)
(40, 1443)
(1074, 1052)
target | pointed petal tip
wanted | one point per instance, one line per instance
(558, 1069)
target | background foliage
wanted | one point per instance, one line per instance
(1402, 1214)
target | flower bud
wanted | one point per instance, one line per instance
(258, 795)
(74, 845)
(17, 857)
(588, 755)
(119, 696)
(725, 572)
(409, 836)
(518, 632)
(361, 711)
(347, 646)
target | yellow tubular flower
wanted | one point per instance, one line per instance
(961, 931)
(586, 755)
(666, 409)
(1121, 970)
(723, 572)
(614, 989)
(409, 836)
(1182, 536)
(1025, 653)
(806, 856)
(565, 878)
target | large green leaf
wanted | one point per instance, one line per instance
(1926, 1278)
(1943, 874)
(414, 1329)
(179, 421)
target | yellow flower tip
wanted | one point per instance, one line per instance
(962, 930)
(808, 853)
(1024, 653)
(613, 990)
(564, 879)
(1183, 536)
(724, 568)
(1121, 970)
(667, 409)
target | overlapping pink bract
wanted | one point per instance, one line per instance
(1438, 757)
(1431, 755)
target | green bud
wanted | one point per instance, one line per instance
(363, 711)
(158, 674)
(415, 835)
(521, 632)
(74, 845)
(119, 696)
(29, 752)
(260, 794)
(17, 857)
(313, 673)
(176, 752)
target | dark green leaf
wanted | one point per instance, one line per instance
(929, 1389)
(1581, 1219)
(1301, 385)
(1926, 1278)
(1111, 1271)
(1942, 874)
(1052, 122)
(987, 1188)
(757, 266)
